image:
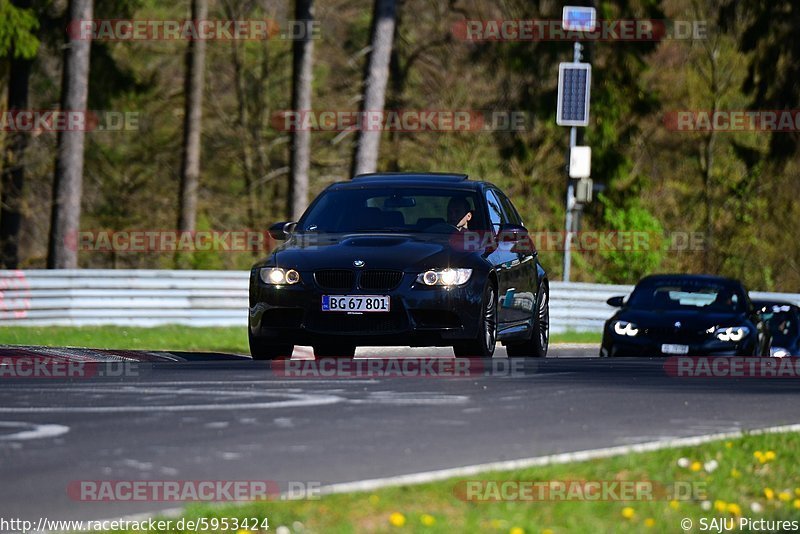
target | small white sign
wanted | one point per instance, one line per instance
(579, 19)
(580, 162)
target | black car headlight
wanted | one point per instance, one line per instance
(731, 333)
(445, 277)
(624, 328)
(275, 276)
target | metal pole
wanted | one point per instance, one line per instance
(573, 140)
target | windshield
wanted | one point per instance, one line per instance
(392, 209)
(675, 294)
(782, 324)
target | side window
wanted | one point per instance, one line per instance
(511, 211)
(496, 215)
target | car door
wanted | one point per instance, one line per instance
(522, 274)
(502, 259)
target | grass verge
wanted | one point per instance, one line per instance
(753, 478)
(172, 337)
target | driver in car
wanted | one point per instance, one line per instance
(458, 213)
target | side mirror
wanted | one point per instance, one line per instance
(617, 302)
(512, 233)
(282, 230)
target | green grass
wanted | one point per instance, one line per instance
(746, 474)
(173, 337)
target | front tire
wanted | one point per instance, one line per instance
(483, 345)
(537, 345)
(265, 349)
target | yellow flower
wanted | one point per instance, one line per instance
(720, 506)
(769, 455)
(696, 466)
(628, 512)
(785, 496)
(547, 531)
(728, 445)
(769, 494)
(397, 519)
(649, 522)
(734, 509)
(427, 520)
(758, 455)
(374, 499)
(674, 504)
(243, 531)
(516, 530)
(797, 492)
(735, 473)
(796, 503)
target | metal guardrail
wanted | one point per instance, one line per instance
(216, 298)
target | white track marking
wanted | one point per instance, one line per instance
(34, 431)
(297, 400)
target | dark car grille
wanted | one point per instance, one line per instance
(368, 323)
(339, 279)
(670, 333)
(380, 279)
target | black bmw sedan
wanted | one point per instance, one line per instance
(698, 315)
(401, 259)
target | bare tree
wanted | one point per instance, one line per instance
(13, 177)
(68, 180)
(192, 123)
(300, 144)
(376, 78)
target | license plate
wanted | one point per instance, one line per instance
(675, 349)
(355, 303)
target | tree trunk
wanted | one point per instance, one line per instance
(193, 108)
(68, 180)
(300, 144)
(375, 81)
(13, 177)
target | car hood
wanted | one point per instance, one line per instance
(690, 320)
(378, 251)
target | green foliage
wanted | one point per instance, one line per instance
(17, 31)
(644, 234)
(655, 179)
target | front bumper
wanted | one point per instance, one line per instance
(419, 315)
(616, 345)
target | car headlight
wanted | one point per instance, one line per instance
(445, 277)
(731, 333)
(624, 328)
(778, 352)
(276, 276)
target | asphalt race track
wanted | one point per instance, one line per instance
(226, 417)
